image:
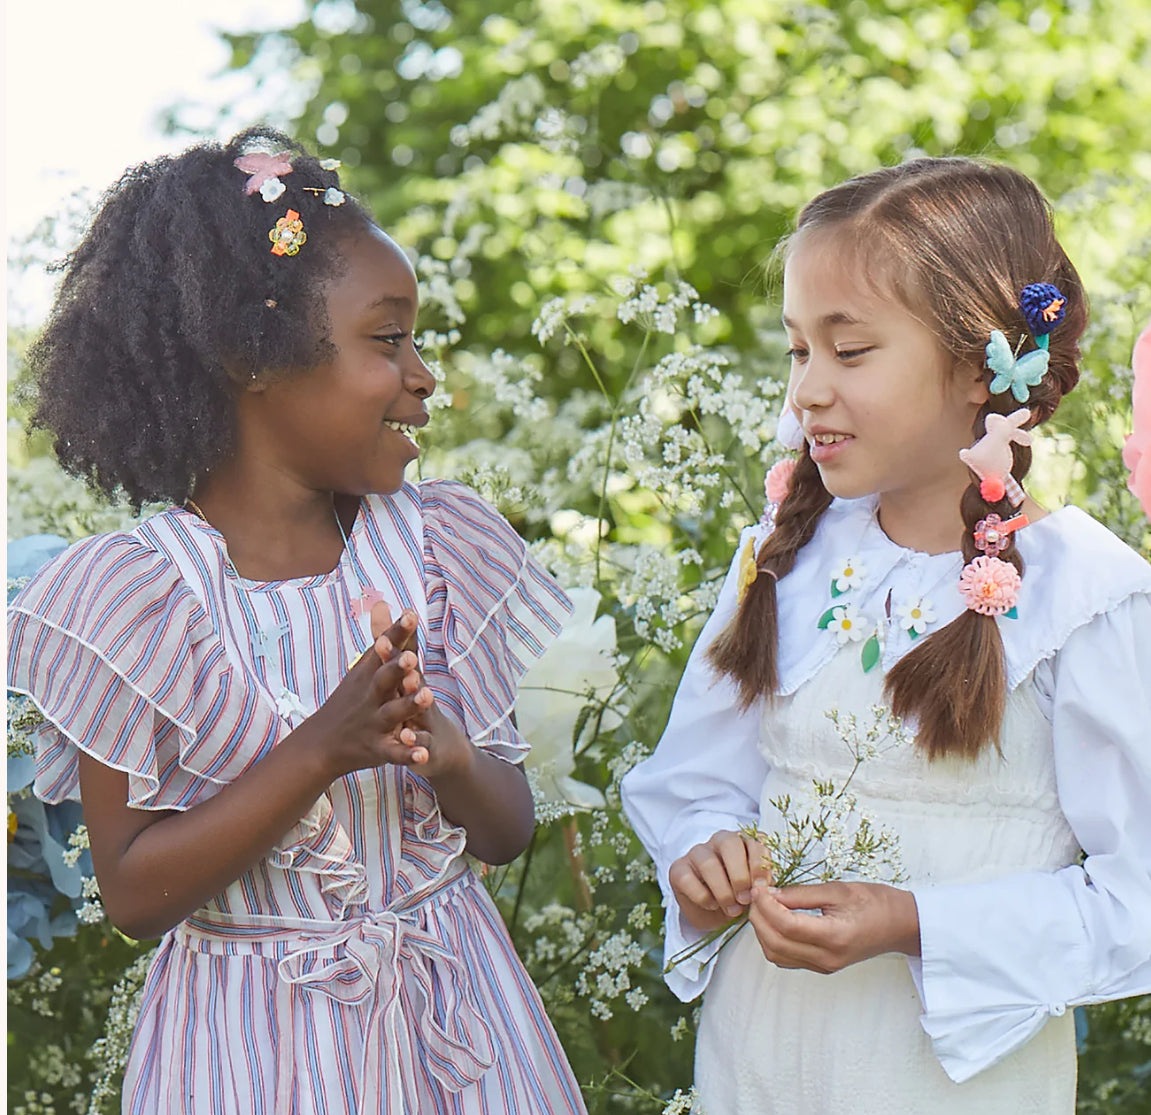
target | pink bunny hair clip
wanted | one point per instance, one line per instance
(990, 457)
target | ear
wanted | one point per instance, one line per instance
(973, 382)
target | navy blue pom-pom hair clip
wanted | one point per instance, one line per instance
(1043, 306)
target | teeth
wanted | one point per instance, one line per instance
(392, 424)
(830, 439)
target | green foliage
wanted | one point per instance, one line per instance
(533, 150)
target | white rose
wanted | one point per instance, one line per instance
(577, 668)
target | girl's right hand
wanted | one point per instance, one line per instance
(712, 883)
(359, 725)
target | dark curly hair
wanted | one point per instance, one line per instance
(171, 303)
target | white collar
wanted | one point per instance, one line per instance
(1075, 569)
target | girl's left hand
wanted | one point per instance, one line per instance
(860, 920)
(438, 747)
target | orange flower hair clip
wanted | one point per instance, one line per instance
(288, 236)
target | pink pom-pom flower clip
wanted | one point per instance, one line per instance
(989, 585)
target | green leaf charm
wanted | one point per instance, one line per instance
(826, 618)
(834, 590)
(1013, 614)
(869, 656)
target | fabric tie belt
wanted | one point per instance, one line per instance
(358, 961)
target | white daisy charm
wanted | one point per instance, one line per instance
(288, 704)
(849, 574)
(916, 616)
(330, 164)
(332, 196)
(849, 624)
(271, 188)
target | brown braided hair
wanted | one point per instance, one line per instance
(955, 241)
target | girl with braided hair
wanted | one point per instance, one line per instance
(934, 320)
(285, 701)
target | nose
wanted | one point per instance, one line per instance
(810, 386)
(418, 377)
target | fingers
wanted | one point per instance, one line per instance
(402, 633)
(397, 713)
(812, 896)
(399, 674)
(793, 939)
(418, 744)
(715, 875)
(381, 617)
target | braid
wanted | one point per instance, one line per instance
(748, 648)
(954, 682)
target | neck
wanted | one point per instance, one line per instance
(927, 517)
(274, 527)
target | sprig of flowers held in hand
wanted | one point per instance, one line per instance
(826, 837)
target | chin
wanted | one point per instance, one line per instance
(846, 487)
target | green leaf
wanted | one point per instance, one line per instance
(826, 619)
(1013, 614)
(834, 590)
(870, 653)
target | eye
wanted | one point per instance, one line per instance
(853, 353)
(797, 353)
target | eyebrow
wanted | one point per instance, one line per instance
(401, 301)
(838, 317)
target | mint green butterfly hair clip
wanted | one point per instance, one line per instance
(1019, 374)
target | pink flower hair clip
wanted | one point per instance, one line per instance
(993, 535)
(777, 483)
(1137, 448)
(990, 457)
(264, 171)
(990, 586)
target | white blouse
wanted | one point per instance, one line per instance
(998, 957)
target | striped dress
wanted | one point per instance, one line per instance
(361, 966)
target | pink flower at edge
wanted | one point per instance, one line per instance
(989, 586)
(777, 483)
(1137, 448)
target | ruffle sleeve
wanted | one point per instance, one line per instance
(122, 660)
(492, 611)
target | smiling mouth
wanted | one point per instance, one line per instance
(399, 427)
(829, 439)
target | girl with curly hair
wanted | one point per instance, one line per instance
(285, 702)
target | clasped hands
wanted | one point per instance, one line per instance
(383, 711)
(725, 877)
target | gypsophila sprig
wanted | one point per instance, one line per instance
(823, 835)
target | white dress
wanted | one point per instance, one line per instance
(1031, 871)
(789, 1041)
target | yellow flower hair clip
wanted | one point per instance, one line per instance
(748, 570)
(288, 236)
